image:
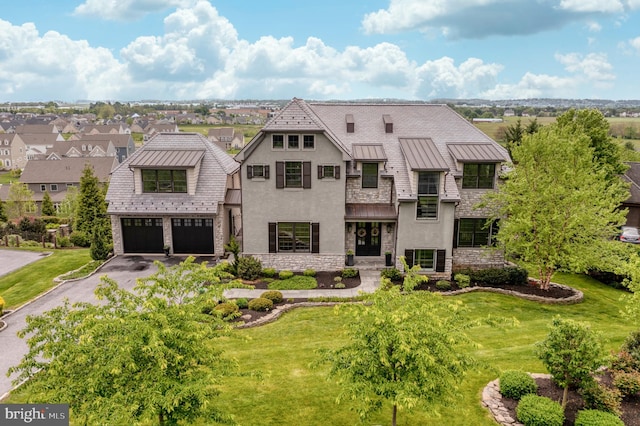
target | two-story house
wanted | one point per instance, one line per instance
(226, 138)
(13, 151)
(323, 178)
(179, 191)
(56, 176)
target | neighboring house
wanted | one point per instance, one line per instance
(178, 190)
(38, 143)
(154, 128)
(56, 176)
(82, 148)
(123, 143)
(94, 129)
(37, 129)
(13, 152)
(632, 175)
(323, 178)
(226, 138)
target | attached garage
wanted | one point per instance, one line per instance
(142, 235)
(192, 235)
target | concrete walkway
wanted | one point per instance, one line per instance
(369, 281)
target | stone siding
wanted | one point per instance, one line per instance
(477, 258)
(468, 199)
(382, 194)
(300, 262)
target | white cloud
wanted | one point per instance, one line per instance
(635, 43)
(595, 67)
(126, 10)
(594, 27)
(442, 79)
(609, 6)
(534, 86)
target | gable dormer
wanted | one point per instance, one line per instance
(351, 126)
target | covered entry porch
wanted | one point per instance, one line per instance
(370, 232)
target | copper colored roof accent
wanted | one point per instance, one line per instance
(373, 151)
(233, 197)
(370, 212)
(422, 154)
(168, 158)
(476, 153)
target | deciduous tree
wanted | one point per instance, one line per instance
(410, 350)
(19, 201)
(572, 352)
(143, 356)
(557, 203)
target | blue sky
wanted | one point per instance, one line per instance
(131, 50)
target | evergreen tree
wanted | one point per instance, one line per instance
(3, 215)
(100, 247)
(47, 205)
(91, 211)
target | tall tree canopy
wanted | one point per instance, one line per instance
(595, 126)
(145, 356)
(557, 203)
(407, 349)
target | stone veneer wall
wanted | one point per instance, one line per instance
(477, 258)
(468, 199)
(381, 194)
(116, 233)
(300, 262)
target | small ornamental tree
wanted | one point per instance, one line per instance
(47, 205)
(571, 352)
(19, 201)
(407, 349)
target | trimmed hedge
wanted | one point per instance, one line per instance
(273, 295)
(285, 275)
(242, 303)
(260, 304)
(227, 310)
(443, 285)
(463, 280)
(349, 273)
(309, 272)
(597, 418)
(515, 384)
(269, 272)
(534, 410)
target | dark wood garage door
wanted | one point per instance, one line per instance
(142, 235)
(192, 236)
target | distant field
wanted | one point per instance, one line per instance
(249, 131)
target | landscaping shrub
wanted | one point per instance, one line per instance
(623, 361)
(285, 275)
(273, 295)
(515, 384)
(249, 268)
(534, 410)
(600, 397)
(63, 242)
(340, 285)
(490, 277)
(517, 275)
(260, 304)
(393, 274)
(597, 418)
(628, 383)
(80, 239)
(443, 285)
(309, 272)
(269, 272)
(227, 310)
(463, 280)
(297, 282)
(242, 303)
(349, 273)
(1, 305)
(632, 346)
(208, 306)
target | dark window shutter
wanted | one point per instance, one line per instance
(408, 256)
(272, 237)
(279, 174)
(337, 172)
(266, 172)
(306, 174)
(315, 238)
(320, 172)
(249, 172)
(456, 222)
(441, 257)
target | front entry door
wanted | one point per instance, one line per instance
(368, 239)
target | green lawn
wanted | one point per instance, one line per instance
(26, 283)
(293, 392)
(7, 179)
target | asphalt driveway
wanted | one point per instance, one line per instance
(10, 260)
(122, 269)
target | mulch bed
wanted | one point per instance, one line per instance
(630, 406)
(324, 279)
(554, 292)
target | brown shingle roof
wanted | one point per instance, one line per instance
(67, 170)
(167, 158)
